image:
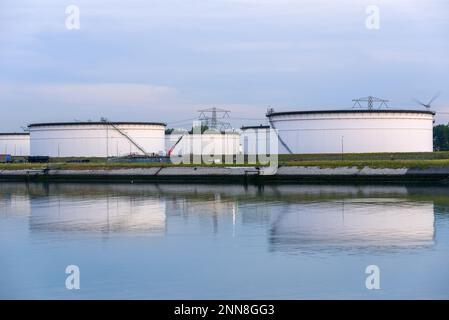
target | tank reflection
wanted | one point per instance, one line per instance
(110, 214)
(14, 205)
(197, 191)
(14, 200)
(297, 217)
(354, 224)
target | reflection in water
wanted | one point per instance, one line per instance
(169, 241)
(14, 205)
(116, 214)
(353, 224)
(299, 218)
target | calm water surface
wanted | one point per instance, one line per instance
(168, 241)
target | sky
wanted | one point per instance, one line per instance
(163, 60)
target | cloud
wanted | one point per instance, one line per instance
(115, 101)
(102, 94)
(98, 94)
(65, 102)
(166, 58)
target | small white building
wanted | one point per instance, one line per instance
(353, 131)
(96, 139)
(15, 144)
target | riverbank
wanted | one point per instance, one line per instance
(432, 167)
(223, 174)
(284, 161)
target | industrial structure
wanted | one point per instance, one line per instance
(353, 131)
(15, 144)
(373, 128)
(256, 139)
(211, 142)
(96, 139)
(211, 135)
(215, 118)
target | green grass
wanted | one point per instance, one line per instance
(100, 166)
(375, 164)
(359, 160)
(367, 156)
(21, 166)
(373, 160)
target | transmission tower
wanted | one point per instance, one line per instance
(215, 118)
(370, 102)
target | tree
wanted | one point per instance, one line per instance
(441, 137)
(203, 128)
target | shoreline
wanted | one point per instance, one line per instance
(284, 174)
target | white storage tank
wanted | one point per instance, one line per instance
(96, 139)
(208, 143)
(353, 131)
(255, 139)
(15, 144)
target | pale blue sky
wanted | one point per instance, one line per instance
(162, 60)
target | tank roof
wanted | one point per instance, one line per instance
(86, 123)
(255, 127)
(14, 133)
(284, 113)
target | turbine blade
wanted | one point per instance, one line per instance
(434, 97)
(419, 102)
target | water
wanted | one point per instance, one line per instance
(169, 241)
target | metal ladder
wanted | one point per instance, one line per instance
(174, 146)
(129, 138)
(280, 139)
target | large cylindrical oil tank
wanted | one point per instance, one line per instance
(353, 131)
(15, 144)
(96, 139)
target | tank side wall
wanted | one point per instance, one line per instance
(95, 140)
(356, 133)
(15, 145)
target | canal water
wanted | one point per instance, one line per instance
(180, 241)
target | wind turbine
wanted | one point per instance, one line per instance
(429, 104)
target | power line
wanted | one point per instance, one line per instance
(216, 118)
(185, 120)
(237, 118)
(370, 101)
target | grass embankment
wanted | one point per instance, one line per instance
(360, 160)
(375, 164)
(367, 156)
(102, 166)
(79, 166)
(420, 160)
